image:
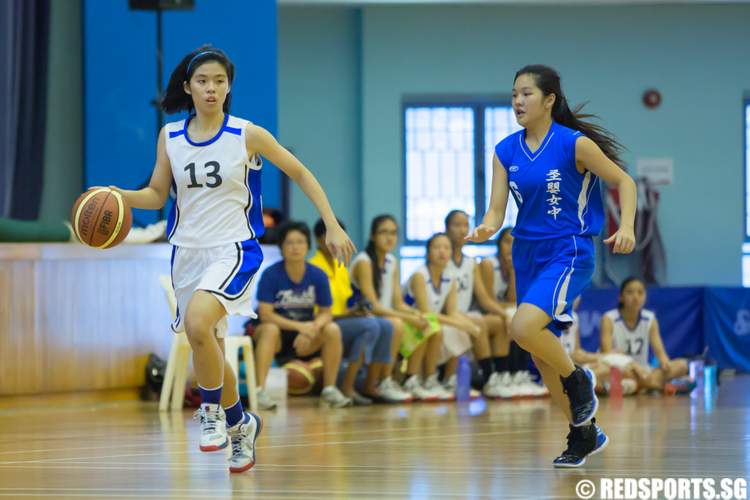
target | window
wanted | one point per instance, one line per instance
(440, 165)
(448, 150)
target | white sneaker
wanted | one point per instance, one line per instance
(243, 436)
(527, 387)
(414, 386)
(265, 402)
(496, 388)
(451, 384)
(433, 385)
(334, 398)
(508, 382)
(213, 427)
(390, 392)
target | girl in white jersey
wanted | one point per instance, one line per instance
(630, 329)
(212, 161)
(375, 278)
(433, 289)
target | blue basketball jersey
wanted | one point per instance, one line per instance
(554, 200)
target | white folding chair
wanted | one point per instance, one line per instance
(173, 389)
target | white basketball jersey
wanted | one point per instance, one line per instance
(499, 285)
(568, 336)
(463, 273)
(385, 297)
(217, 187)
(437, 293)
(635, 342)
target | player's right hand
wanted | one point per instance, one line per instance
(340, 244)
(481, 233)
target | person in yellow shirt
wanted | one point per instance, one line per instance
(355, 321)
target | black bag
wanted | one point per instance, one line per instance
(155, 370)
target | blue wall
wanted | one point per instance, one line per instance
(607, 56)
(120, 80)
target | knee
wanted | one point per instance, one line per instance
(517, 329)
(268, 333)
(385, 329)
(199, 330)
(397, 325)
(332, 333)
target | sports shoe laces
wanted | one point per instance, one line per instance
(208, 423)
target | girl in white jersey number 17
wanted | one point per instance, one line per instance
(553, 166)
(212, 161)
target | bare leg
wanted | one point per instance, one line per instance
(350, 376)
(398, 333)
(229, 392)
(552, 380)
(528, 329)
(497, 327)
(432, 354)
(329, 342)
(203, 313)
(268, 343)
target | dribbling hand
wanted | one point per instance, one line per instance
(340, 244)
(623, 240)
(481, 233)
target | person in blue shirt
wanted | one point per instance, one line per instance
(552, 167)
(294, 305)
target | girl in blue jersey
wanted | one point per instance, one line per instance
(212, 160)
(553, 166)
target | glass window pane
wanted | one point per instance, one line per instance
(440, 167)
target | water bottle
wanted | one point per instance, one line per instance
(463, 379)
(696, 367)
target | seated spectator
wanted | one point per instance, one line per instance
(598, 363)
(632, 330)
(294, 305)
(432, 288)
(358, 325)
(376, 282)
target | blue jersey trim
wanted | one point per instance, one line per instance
(232, 130)
(176, 133)
(210, 141)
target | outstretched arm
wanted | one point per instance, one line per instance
(260, 141)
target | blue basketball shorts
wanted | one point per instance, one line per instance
(551, 273)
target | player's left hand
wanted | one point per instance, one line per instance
(340, 244)
(623, 240)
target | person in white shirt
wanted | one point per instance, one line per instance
(632, 330)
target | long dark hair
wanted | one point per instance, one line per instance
(548, 80)
(377, 275)
(175, 99)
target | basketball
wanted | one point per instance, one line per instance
(299, 378)
(101, 218)
(316, 367)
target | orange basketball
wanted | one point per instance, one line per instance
(101, 218)
(299, 378)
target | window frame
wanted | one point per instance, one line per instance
(478, 104)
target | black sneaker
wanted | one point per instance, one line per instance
(582, 442)
(579, 386)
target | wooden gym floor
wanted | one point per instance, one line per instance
(84, 447)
